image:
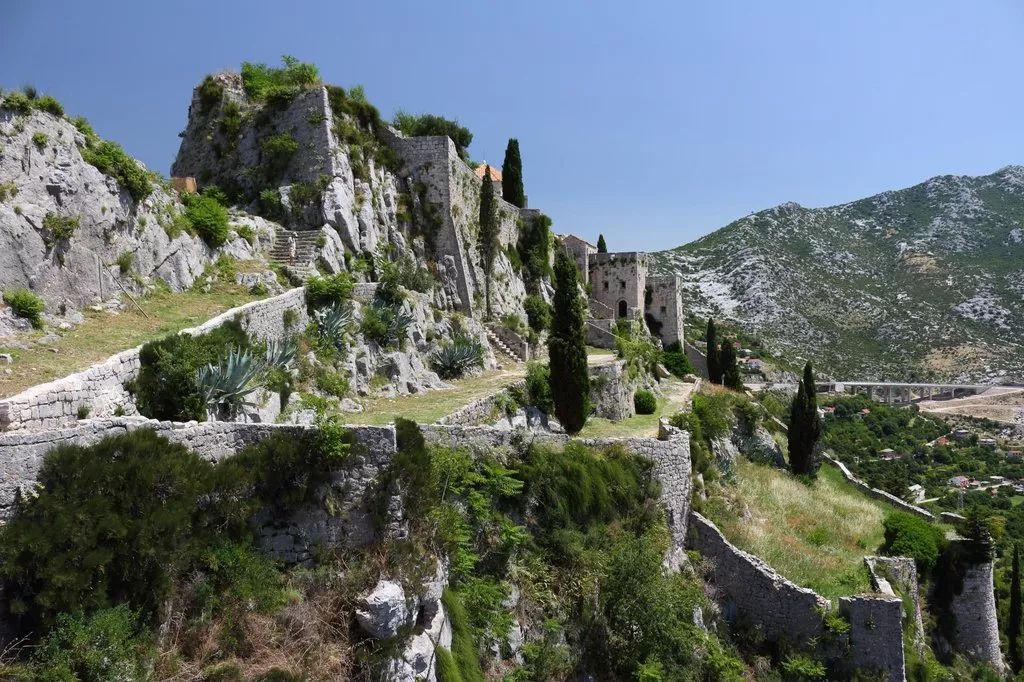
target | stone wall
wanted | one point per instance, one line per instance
(482, 410)
(751, 592)
(898, 576)
(611, 391)
(697, 359)
(100, 388)
(879, 494)
(617, 277)
(973, 608)
(600, 334)
(515, 343)
(876, 635)
(665, 304)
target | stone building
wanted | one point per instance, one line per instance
(495, 177)
(621, 287)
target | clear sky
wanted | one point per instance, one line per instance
(653, 122)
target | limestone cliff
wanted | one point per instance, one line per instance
(47, 184)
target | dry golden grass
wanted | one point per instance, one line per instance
(816, 535)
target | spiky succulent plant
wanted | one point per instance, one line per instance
(227, 385)
(453, 360)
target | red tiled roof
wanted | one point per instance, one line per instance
(495, 173)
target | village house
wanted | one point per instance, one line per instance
(961, 482)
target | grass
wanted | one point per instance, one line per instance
(428, 407)
(816, 535)
(105, 333)
(675, 399)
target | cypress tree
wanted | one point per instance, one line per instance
(488, 232)
(1013, 629)
(601, 246)
(728, 367)
(804, 426)
(714, 369)
(567, 351)
(512, 175)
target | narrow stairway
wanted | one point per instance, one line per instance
(499, 346)
(296, 251)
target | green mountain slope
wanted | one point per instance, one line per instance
(924, 282)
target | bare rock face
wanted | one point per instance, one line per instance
(384, 610)
(47, 182)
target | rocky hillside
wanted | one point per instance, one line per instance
(924, 282)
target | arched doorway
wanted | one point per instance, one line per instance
(623, 308)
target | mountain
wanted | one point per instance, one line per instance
(920, 283)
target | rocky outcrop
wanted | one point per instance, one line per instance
(384, 610)
(46, 180)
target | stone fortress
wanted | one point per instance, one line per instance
(620, 288)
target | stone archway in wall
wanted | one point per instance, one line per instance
(623, 308)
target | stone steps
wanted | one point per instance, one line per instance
(599, 310)
(499, 345)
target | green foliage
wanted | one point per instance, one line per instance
(125, 262)
(8, 190)
(512, 175)
(802, 668)
(714, 367)
(534, 248)
(329, 290)
(358, 124)
(27, 305)
(1013, 628)
(112, 160)
(49, 104)
(402, 273)
(453, 360)
(911, 536)
(570, 379)
(637, 348)
(385, 325)
(429, 124)
(40, 139)
(277, 153)
(714, 411)
(266, 83)
(728, 367)
(489, 242)
(58, 228)
(270, 205)
(676, 362)
(210, 93)
(602, 247)
(332, 383)
(645, 402)
(805, 426)
(17, 102)
(167, 387)
(538, 312)
(217, 194)
(208, 217)
(103, 646)
(447, 668)
(226, 385)
(236, 576)
(464, 649)
(332, 324)
(538, 386)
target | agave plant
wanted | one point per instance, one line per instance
(226, 386)
(280, 354)
(332, 323)
(455, 359)
(398, 322)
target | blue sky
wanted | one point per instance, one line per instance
(653, 122)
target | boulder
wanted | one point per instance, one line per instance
(383, 611)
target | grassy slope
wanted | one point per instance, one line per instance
(104, 334)
(816, 535)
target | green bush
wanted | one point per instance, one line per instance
(677, 363)
(464, 649)
(386, 325)
(210, 93)
(538, 313)
(112, 160)
(429, 124)
(17, 102)
(236, 576)
(802, 668)
(329, 290)
(27, 305)
(262, 82)
(270, 205)
(58, 228)
(40, 139)
(166, 387)
(49, 104)
(645, 402)
(277, 152)
(911, 536)
(208, 218)
(538, 386)
(125, 262)
(714, 410)
(103, 646)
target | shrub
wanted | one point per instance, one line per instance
(17, 102)
(676, 362)
(58, 228)
(386, 325)
(714, 410)
(167, 386)
(538, 386)
(208, 218)
(27, 305)
(49, 104)
(802, 668)
(262, 82)
(210, 93)
(40, 139)
(103, 646)
(332, 383)
(645, 402)
(8, 190)
(277, 152)
(429, 124)
(217, 194)
(125, 262)
(332, 324)
(464, 649)
(911, 536)
(329, 290)
(226, 385)
(538, 312)
(112, 160)
(453, 360)
(125, 508)
(270, 205)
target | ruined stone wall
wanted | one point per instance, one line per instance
(100, 388)
(599, 333)
(973, 607)
(879, 494)
(616, 277)
(898, 576)
(753, 593)
(876, 635)
(665, 305)
(482, 410)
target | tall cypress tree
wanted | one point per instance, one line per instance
(512, 175)
(804, 426)
(488, 232)
(567, 348)
(601, 246)
(714, 368)
(1013, 628)
(728, 367)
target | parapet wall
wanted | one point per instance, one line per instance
(880, 494)
(100, 388)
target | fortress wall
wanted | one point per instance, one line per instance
(876, 635)
(973, 608)
(878, 494)
(482, 410)
(666, 306)
(100, 388)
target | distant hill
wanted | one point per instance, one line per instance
(923, 282)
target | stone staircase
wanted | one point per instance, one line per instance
(599, 310)
(295, 251)
(501, 348)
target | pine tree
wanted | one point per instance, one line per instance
(804, 426)
(567, 351)
(601, 246)
(512, 175)
(1013, 628)
(728, 367)
(488, 232)
(714, 368)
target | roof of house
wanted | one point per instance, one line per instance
(566, 237)
(495, 172)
